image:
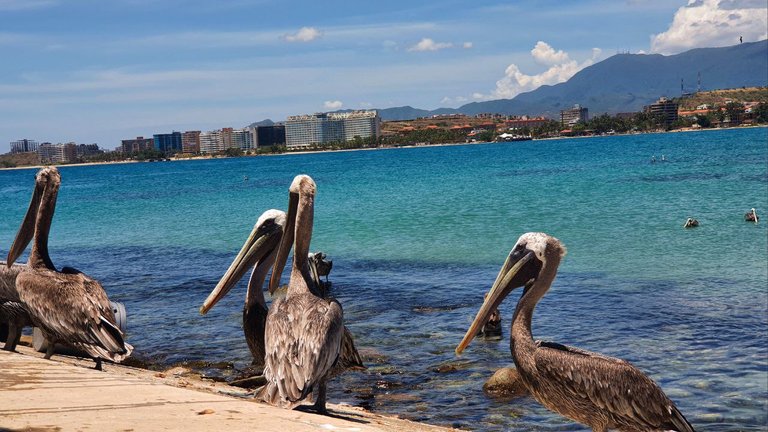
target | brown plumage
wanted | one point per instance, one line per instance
(12, 311)
(304, 332)
(259, 252)
(68, 306)
(599, 391)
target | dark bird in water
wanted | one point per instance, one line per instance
(304, 332)
(12, 311)
(68, 306)
(598, 391)
(751, 216)
(259, 252)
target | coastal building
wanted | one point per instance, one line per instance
(236, 138)
(70, 152)
(525, 122)
(168, 143)
(324, 128)
(577, 114)
(665, 108)
(267, 136)
(211, 142)
(136, 145)
(85, 150)
(190, 142)
(24, 146)
(51, 153)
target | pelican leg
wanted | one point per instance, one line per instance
(319, 405)
(49, 350)
(98, 363)
(14, 335)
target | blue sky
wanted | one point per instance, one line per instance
(102, 71)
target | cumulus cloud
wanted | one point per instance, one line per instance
(305, 34)
(453, 100)
(428, 44)
(713, 23)
(561, 68)
(333, 105)
(468, 45)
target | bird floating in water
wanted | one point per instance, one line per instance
(304, 332)
(598, 391)
(68, 306)
(691, 223)
(751, 216)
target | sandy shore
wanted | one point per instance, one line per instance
(66, 394)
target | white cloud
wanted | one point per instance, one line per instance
(333, 105)
(546, 55)
(713, 23)
(561, 68)
(468, 45)
(453, 100)
(427, 44)
(305, 34)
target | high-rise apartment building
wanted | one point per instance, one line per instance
(190, 142)
(51, 153)
(137, 145)
(211, 142)
(577, 114)
(168, 143)
(665, 108)
(323, 128)
(268, 136)
(24, 146)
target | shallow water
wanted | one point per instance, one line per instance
(417, 236)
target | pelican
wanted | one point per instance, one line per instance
(304, 332)
(12, 310)
(598, 391)
(68, 306)
(259, 252)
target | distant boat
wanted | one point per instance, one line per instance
(511, 137)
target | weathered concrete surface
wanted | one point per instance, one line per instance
(65, 394)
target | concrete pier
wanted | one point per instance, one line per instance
(66, 394)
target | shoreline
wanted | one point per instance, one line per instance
(305, 152)
(66, 393)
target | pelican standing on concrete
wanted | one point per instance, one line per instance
(303, 332)
(259, 252)
(68, 306)
(12, 311)
(598, 391)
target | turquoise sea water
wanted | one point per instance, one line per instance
(417, 236)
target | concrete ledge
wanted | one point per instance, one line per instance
(66, 394)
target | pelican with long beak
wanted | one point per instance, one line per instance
(12, 311)
(68, 306)
(258, 252)
(304, 332)
(598, 391)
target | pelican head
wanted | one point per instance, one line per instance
(261, 243)
(47, 182)
(298, 227)
(521, 268)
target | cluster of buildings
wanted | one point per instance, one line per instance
(299, 131)
(55, 153)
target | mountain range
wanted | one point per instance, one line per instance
(626, 83)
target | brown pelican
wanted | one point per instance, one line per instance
(751, 216)
(303, 332)
(68, 306)
(12, 311)
(259, 252)
(598, 391)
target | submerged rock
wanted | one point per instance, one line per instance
(505, 382)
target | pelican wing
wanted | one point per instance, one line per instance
(618, 389)
(73, 309)
(302, 341)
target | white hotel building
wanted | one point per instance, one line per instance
(323, 128)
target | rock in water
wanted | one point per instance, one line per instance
(505, 383)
